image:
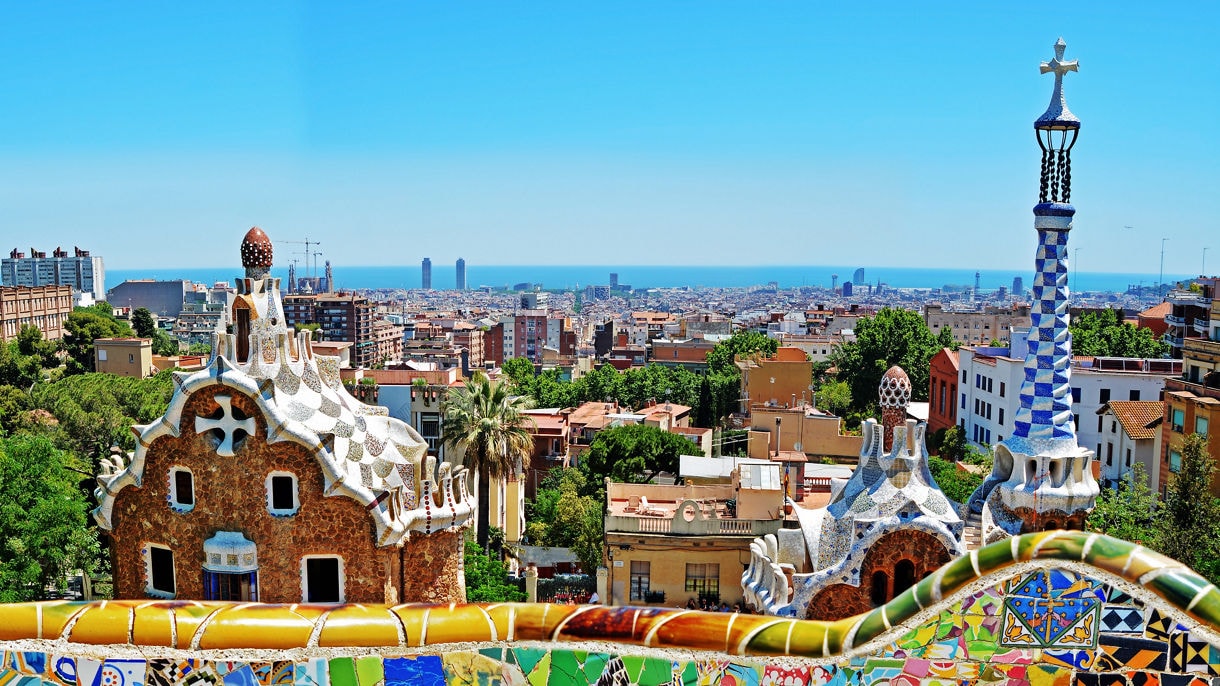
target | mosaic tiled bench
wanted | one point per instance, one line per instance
(1052, 609)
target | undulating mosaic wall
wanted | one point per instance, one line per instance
(1052, 609)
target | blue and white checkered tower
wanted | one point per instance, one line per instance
(1046, 394)
(1042, 477)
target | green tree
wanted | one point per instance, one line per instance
(143, 322)
(83, 326)
(487, 578)
(739, 345)
(488, 425)
(1104, 334)
(944, 339)
(16, 369)
(635, 453)
(31, 344)
(563, 517)
(13, 401)
(1128, 512)
(43, 520)
(834, 397)
(94, 411)
(892, 337)
(953, 445)
(1187, 527)
(957, 484)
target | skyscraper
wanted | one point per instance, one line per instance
(460, 282)
(426, 271)
(1018, 285)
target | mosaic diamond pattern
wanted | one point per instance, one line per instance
(1046, 399)
(1052, 609)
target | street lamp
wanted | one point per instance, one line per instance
(778, 421)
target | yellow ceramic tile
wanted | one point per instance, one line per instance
(503, 616)
(359, 625)
(153, 625)
(259, 626)
(188, 617)
(56, 615)
(414, 618)
(104, 623)
(19, 621)
(461, 624)
(537, 621)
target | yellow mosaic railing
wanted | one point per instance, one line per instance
(192, 625)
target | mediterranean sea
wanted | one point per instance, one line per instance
(568, 277)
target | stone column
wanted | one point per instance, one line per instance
(531, 583)
(603, 586)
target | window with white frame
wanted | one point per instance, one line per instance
(322, 579)
(283, 494)
(159, 571)
(181, 489)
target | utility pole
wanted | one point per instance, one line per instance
(1160, 281)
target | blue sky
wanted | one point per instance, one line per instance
(897, 134)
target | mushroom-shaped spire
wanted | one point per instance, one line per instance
(895, 389)
(256, 253)
(895, 395)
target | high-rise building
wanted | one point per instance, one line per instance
(858, 276)
(1018, 285)
(426, 271)
(460, 282)
(613, 281)
(846, 289)
(82, 271)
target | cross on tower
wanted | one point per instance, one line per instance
(227, 425)
(1059, 65)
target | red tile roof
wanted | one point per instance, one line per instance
(1136, 415)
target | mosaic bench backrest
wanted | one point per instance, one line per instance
(1051, 609)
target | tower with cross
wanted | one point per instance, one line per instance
(1042, 478)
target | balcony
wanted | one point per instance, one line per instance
(1175, 320)
(1197, 389)
(752, 528)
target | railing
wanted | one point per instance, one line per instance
(707, 527)
(1174, 319)
(817, 484)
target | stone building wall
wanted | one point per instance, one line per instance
(842, 600)
(231, 495)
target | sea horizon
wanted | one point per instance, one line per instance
(655, 276)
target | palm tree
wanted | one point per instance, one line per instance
(489, 425)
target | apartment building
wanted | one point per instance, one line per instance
(978, 326)
(667, 545)
(1192, 402)
(989, 386)
(83, 272)
(46, 307)
(341, 317)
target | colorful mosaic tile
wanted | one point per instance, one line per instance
(1053, 609)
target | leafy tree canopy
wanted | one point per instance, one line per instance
(487, 578)
(561, 516)
(95, 411)
(83, 326)
(891, 337)
(1188, 526)
(143, 322)
(1104, 334)
(1128, 512)
(834, 397)
(43, 520)
(739, 345)
(632, 454)
(957, 484)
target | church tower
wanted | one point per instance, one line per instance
(1042, 477)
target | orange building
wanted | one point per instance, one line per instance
(781, 380)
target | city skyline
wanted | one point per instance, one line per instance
(517, 136)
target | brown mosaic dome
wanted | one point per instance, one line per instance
(256, 249)
(895, 389)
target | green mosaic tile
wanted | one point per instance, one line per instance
(343, 672)
(527, 658)
(369, 671)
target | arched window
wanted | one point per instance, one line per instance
(881, 588)
(904, 576)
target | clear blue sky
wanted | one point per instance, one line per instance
(604, 133)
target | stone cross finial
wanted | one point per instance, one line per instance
(227, 425)
(1058, 65)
